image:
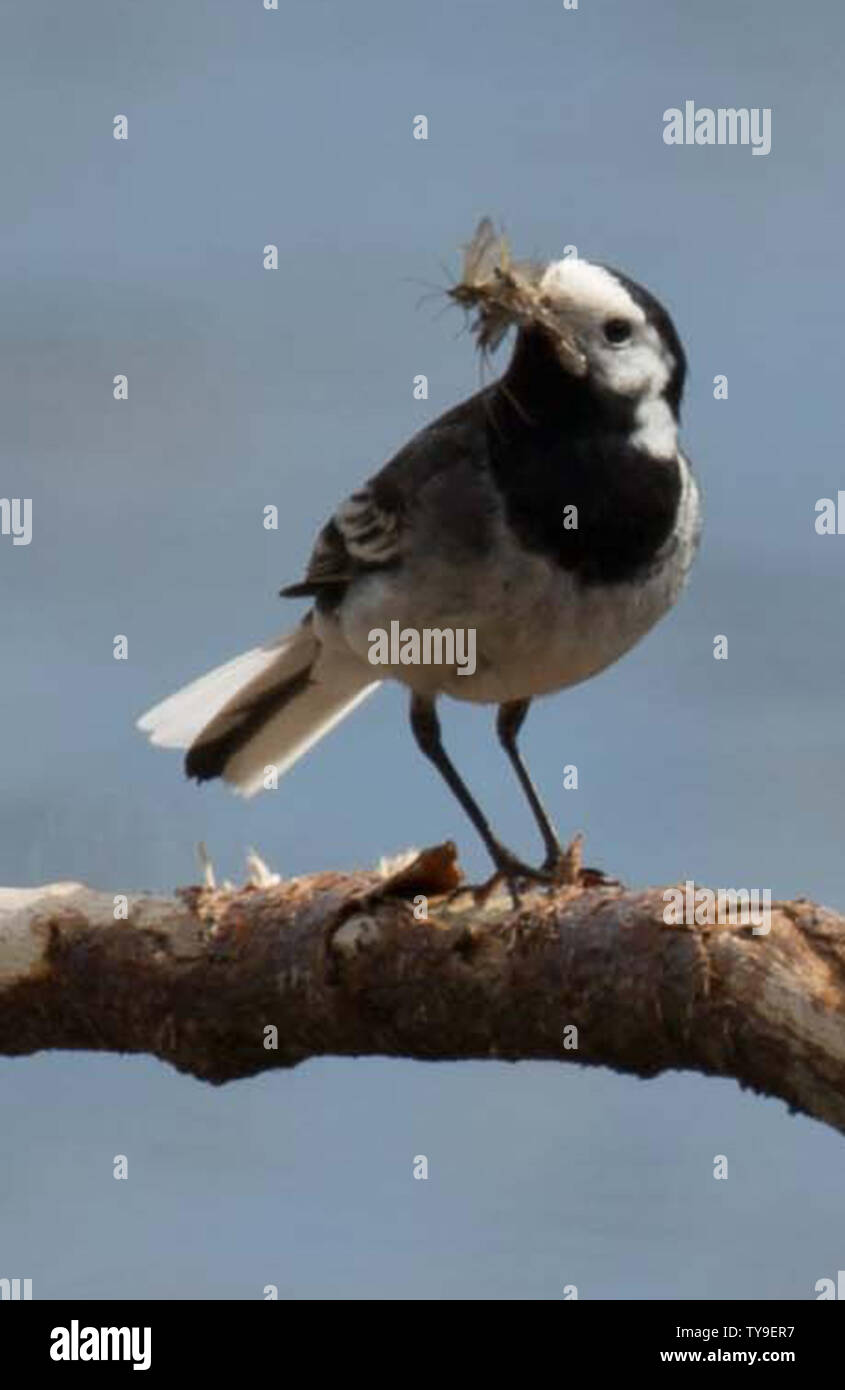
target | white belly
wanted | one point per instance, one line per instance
(536, 629)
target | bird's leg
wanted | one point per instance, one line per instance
(426, 729)
(559, 861)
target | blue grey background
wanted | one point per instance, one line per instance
(249, 387)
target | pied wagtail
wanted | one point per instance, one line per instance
(464, 529)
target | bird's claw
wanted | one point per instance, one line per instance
(510, 871)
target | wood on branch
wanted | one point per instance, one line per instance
(339, 964)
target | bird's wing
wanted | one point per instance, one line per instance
(367, 531)
(361, 536)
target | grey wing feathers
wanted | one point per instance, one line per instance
(366, 531)
(360, 536)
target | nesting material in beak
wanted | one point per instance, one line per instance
(505, 292)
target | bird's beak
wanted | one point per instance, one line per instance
(569, 354)
(505, 292)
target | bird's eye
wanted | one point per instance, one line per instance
(617, 330)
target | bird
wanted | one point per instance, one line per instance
(552, 515)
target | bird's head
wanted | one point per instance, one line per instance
(615, 334)
(583, 323)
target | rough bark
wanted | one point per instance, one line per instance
(339, 964)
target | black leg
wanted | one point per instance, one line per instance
(426, 728)
(508, 724)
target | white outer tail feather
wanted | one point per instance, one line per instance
(286, 737)
(336, 685)
(178, 720)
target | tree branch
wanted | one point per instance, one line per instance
(339, 964)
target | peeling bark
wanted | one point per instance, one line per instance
(339, 965)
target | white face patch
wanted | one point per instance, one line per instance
(579, 286)
(587, 297)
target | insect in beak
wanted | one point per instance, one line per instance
(506, 293)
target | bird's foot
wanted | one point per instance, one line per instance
(510, 871)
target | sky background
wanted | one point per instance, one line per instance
(249, 387)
